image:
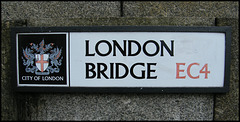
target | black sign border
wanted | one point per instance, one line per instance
(223, 29)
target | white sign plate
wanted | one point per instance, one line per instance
(176, 60)
(151, 67)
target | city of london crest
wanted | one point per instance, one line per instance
(42, 59)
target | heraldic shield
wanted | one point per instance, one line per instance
(42, 61)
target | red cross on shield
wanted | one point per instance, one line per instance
(42, 61)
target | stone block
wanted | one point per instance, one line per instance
(58, 9)
(113, 21)
(218, 9)
(121, 107)
(8, 97)
(227, 105)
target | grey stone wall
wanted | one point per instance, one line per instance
(80, 106)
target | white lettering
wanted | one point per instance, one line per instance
(52, 78)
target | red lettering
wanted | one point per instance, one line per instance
(206, 71)
(189, 73)
(178, 70)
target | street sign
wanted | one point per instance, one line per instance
(122, 59)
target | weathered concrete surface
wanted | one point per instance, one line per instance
(16, 10)
(77, 106)
(9, 109)
(218, 9)
(176, 21)
(227, 105)
(121, 107)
